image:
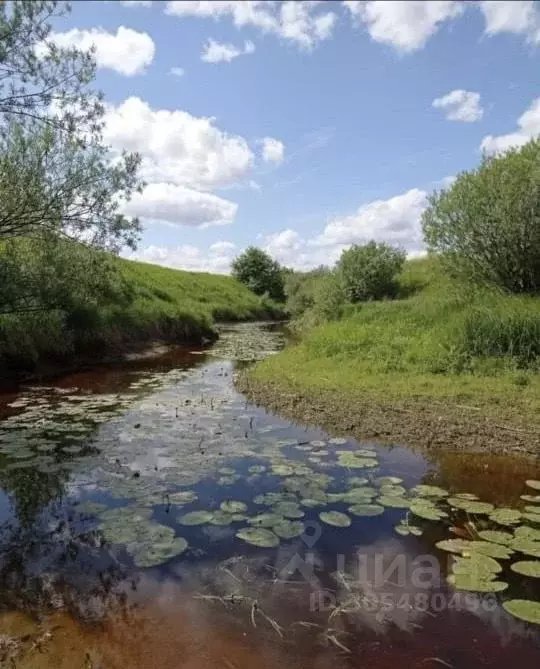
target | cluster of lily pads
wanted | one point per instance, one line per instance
(193, 429)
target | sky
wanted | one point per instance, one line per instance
(304, 127)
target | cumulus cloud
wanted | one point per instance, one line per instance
(406, 26)
(528, 127)
(272, 150)
(516, 16)
(176, 146)
(177, 71)
(179, 205)
(460, 105)
(396, 221)
(216, 259)
(216, 52)
(300, 22)
(127, 51)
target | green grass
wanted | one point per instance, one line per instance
(163, 304)
(443, 340)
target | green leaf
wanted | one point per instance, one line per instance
(232, 506)
(258, 536)
(471, 506)
(196, 518)
(335, 518)
(505, 516)
(475, 584)
(531, 483)
(523, 609)
(289, 529)
(527, 568)
(496, 537)
(366, 510)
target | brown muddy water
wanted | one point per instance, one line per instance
(151, 518)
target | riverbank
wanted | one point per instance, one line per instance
(158, 306)
(444, 367)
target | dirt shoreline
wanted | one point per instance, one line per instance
(414, 423)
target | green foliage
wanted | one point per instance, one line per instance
(444, 340)
(301, 288)
(259, 273)
(369, 272)
(487, 225)
(145, 302)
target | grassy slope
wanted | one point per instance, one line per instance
(166, 304)
(409, 353)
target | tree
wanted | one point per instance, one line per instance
(259, 273)
(61, 188)
(56, 173)
(486, 227)
(369, 272)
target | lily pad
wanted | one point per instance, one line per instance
(466, 495)
(493, 550)
(505, 516)
(405, 530)
(429, 491)
(471, 506)
(366, 510)
(477, 565)
(532, 517)
(265, 519)
(289, 529)
(257, 469)
(427, 510)
(337, 441)
(387, 480)
(335, 518)
(183, 497)
(232, 506)
(159, 553)
(524, 532)
(392, 490)
(311, 503)
(221, 518)
(355, 481)
(496, 537)
(196, 518)
(358, 495)
(527, 568)
(531, 483)
(227, 480)
(527, 547)
(90, 508)
(394, 502)
(227, 471)
(475, 584)
(454, 545)
(282, 470)
(534, 499)
(258, 536)
(524, 609)
(288, 510)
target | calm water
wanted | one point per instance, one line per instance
(102, 566)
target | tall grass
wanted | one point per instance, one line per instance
(163, 304)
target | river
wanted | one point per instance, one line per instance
(151, 517)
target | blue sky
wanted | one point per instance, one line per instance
(304, 127)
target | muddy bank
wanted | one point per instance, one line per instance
(413, 423)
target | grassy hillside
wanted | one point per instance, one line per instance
(443, 345)
(162, 304)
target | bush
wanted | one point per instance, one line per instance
(301, 289)
(487, 225)
(369, 272)
(256, 269)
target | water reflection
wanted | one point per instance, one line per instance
(101, 468)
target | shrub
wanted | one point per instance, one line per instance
(301, 289)
(487, 225)
(259, 273)
(369, 272)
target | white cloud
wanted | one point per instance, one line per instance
(177, 71)
(460, 105)
(272, 150)
(217, 259)
(127, 52)
(177, 147)
(404, 25)
(517, 16)
(299, 22)
(179, 205)
(136, 3)
(528, 127)
(396, 221)
(216, 52)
